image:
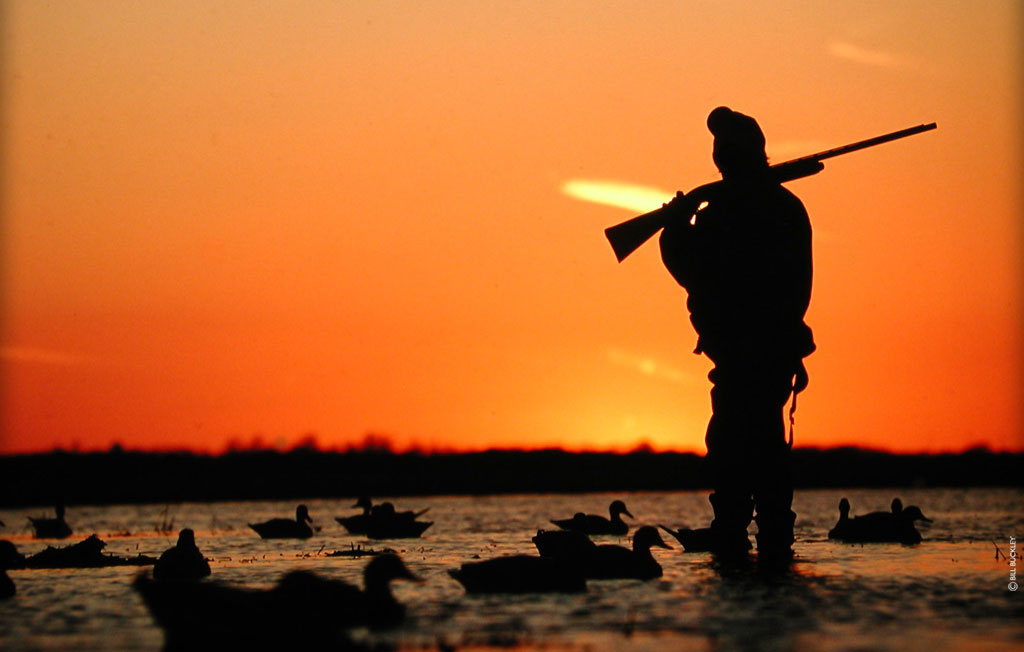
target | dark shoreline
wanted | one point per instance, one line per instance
(118, 476)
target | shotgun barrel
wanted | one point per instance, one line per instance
(627, 237)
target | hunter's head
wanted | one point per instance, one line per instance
(739, 143)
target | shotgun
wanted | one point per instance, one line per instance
(627, 237)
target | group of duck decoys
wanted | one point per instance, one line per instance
(567, 558)
(894, 526)
(376, 522)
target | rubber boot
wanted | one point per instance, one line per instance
(775, 534)
(733, 514)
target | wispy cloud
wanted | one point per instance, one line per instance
(868, 57)
(617, 193)
(42, 356)
(647, 366)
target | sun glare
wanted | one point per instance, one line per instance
(617, 193)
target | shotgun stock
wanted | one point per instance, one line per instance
(625, 238)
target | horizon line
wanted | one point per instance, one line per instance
(383, 448)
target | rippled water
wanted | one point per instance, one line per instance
(949, 593)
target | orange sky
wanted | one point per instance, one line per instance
(223, 220)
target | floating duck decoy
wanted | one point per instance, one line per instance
(286, 528)
(894, 526)
(519, 574)
(897, 506)
(383, 522)
(87, 553)
(840, 529)
(359, 523)
(696, 540)
(51, 528)
(304, 609)
(617, 562)
(183, 562)
(374, 606)
(604, 561)
(9, 558)
(594, 524)
(569, 545)
(378, 607)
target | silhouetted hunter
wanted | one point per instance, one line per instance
(745, 261)
(742, 249)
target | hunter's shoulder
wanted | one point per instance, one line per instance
(783, 194)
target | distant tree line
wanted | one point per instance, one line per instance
(122, 476)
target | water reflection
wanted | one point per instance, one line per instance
(948, 593)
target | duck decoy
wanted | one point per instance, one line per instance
(384, 523)
(381, 518)
(87, 553)
(617, 562)
(519, 574)
(696, 540)
(594, 524)
(183, 562)
(894, 526)
(605, 561)
(840, 529)
(51, 528)
(286, 528)
(377, 607)
(897, 507)
(374, 606)
(303, 609)
(357, 524)
(9, 558)
(564, 544)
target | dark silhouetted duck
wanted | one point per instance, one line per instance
(594, 524)
(615, 562)
(183, 562)
(519, 574)
(374, 606)
(894, 526)
(840, 529)
(570, 545)
(356, 524)
(696, 540)
(385, 523)
(286, 528)
(87, 553)
(377, 607)
(51, 528)
(604, 561)
(304, 609)
(9, 558)
(362, 523)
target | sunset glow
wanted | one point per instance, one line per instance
(232, 222)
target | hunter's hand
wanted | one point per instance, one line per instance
(675, 201)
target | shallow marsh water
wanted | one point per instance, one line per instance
(950, 593)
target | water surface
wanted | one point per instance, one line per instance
(947, 594)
